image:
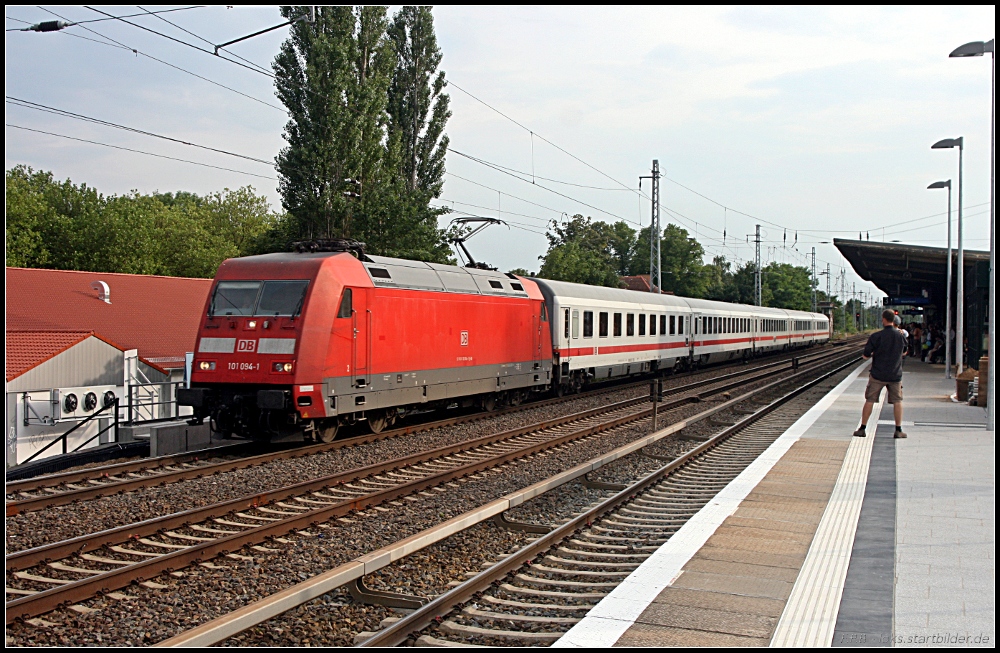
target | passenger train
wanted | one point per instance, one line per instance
(298, 344)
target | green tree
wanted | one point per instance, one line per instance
(316, 77)
(580, 251)
(720, 284)
(66, 226)
(27, 218)
(335, 76)
(418, 106)
(789, 286)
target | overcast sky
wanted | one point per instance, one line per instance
(817, 121)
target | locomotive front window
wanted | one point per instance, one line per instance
(281, 298)
(234, 298)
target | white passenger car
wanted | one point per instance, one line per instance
(600, 333)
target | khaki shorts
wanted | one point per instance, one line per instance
(875, 386)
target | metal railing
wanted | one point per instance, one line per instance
(144, 400)
(64, 438)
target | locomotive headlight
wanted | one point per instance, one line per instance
(252, 324)
(206, 366)
(287, 367)
(278, 367)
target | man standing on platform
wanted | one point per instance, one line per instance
(886, 348)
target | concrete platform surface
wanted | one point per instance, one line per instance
(831, 540)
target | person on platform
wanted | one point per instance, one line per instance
(886, 348)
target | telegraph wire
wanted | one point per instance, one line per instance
(127, 149)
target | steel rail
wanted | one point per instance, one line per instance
(225, 626)
(47, 600)
(438, 608)
(56, 550)
(163, 477)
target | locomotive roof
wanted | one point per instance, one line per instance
(386, 272)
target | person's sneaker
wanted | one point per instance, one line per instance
(860, 433)
(899, 433)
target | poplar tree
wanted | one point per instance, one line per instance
(312, 79)
(418, 105)
(337, 77)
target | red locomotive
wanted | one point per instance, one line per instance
(301, 343)
(304, 342)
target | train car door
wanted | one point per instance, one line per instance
(695, 328)
(541, 321)
(361, 321)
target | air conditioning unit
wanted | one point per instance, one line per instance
(70, 404)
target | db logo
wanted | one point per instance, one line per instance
(248, 346)
(465, 338)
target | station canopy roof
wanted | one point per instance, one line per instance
(909, 274)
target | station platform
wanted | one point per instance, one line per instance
(831, 540)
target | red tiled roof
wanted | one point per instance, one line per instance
(639, 282)
(156, 315)
(28, 349)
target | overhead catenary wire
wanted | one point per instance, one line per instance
(98, 20)
(128, 149)
(69, 114)
(138, 52)
(254, 67)
(200, 38)
(672, 212)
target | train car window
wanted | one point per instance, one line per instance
(630, 325)
(673, 319)
(345, 304)
(379, 273)
(566, 324)
(281, 298)
(576, 324)
(663, 325)
(496, 284)
(234, 298)
(652, 325)
(588, 324)
(516, 286)
(642, 324)
(680, 324)
(617, 325)
(602, 324)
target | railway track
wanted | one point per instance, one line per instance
(62, 489)
(43, 578)
(535, 595)
(576, 570)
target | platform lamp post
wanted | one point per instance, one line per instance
(978, 49)
(947, 319)
(960, 303)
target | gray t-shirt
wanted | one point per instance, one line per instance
(886, 349)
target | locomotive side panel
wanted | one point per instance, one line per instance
(428, 346)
